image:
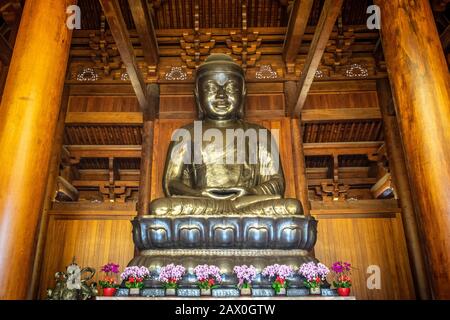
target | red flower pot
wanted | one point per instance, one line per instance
(343, 292)
(109, 292)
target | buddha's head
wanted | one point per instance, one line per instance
(220, 88)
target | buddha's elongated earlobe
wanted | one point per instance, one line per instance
(201, 113)
(241, 112)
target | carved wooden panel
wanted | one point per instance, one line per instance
(332, 100)
(103, 104)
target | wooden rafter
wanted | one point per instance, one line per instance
(118, 27)
(296, 29)
(146, 31)
(330, 12)
(345, 181)
(100, 151)
(104, 118)
(353, 114)
(342, 148)
(362, 207)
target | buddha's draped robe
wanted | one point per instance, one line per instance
(258, 168)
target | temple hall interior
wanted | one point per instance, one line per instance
(355, 92)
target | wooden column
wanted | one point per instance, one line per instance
(28, 117)
(147, 149)
(301, 183)
(421, 90)
(400, 175)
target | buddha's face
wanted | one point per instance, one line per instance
(220, 94)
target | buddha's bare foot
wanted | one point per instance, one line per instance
(275, 207)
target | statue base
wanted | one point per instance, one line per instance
(152, 292)
(188, 292)
(226, 292)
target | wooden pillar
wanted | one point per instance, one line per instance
(400, 175)
(290, 96)
(147, 149)
(28, 117)
(420, 85)
(301, 183)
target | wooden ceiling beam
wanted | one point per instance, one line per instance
(341, 114)
(146, 31)
(104, 118)
(91, 183)
(296, 29)
(116, 22)
(330, 12)
(104, 151)
(341, 148)
(173, 36)
(360, 208)
(346, 181)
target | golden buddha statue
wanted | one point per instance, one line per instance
(241, 176)
(224, 188)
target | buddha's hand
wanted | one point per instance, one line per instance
(217, 194)
(240, 192)
(225, 193)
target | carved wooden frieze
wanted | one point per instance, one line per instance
(244, 45)
(105, 54)
(197, 45)
(339, 50)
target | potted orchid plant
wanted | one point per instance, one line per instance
(170, 275)
(134, 278)
(109, 283)
(314, 275)
(208, 277)
(341, 272)
(245, 274)
(279, 273)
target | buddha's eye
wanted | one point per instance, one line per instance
(211, 87)
(231, 87)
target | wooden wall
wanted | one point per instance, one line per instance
(367, 240)
(364, 237)
(94, 236)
